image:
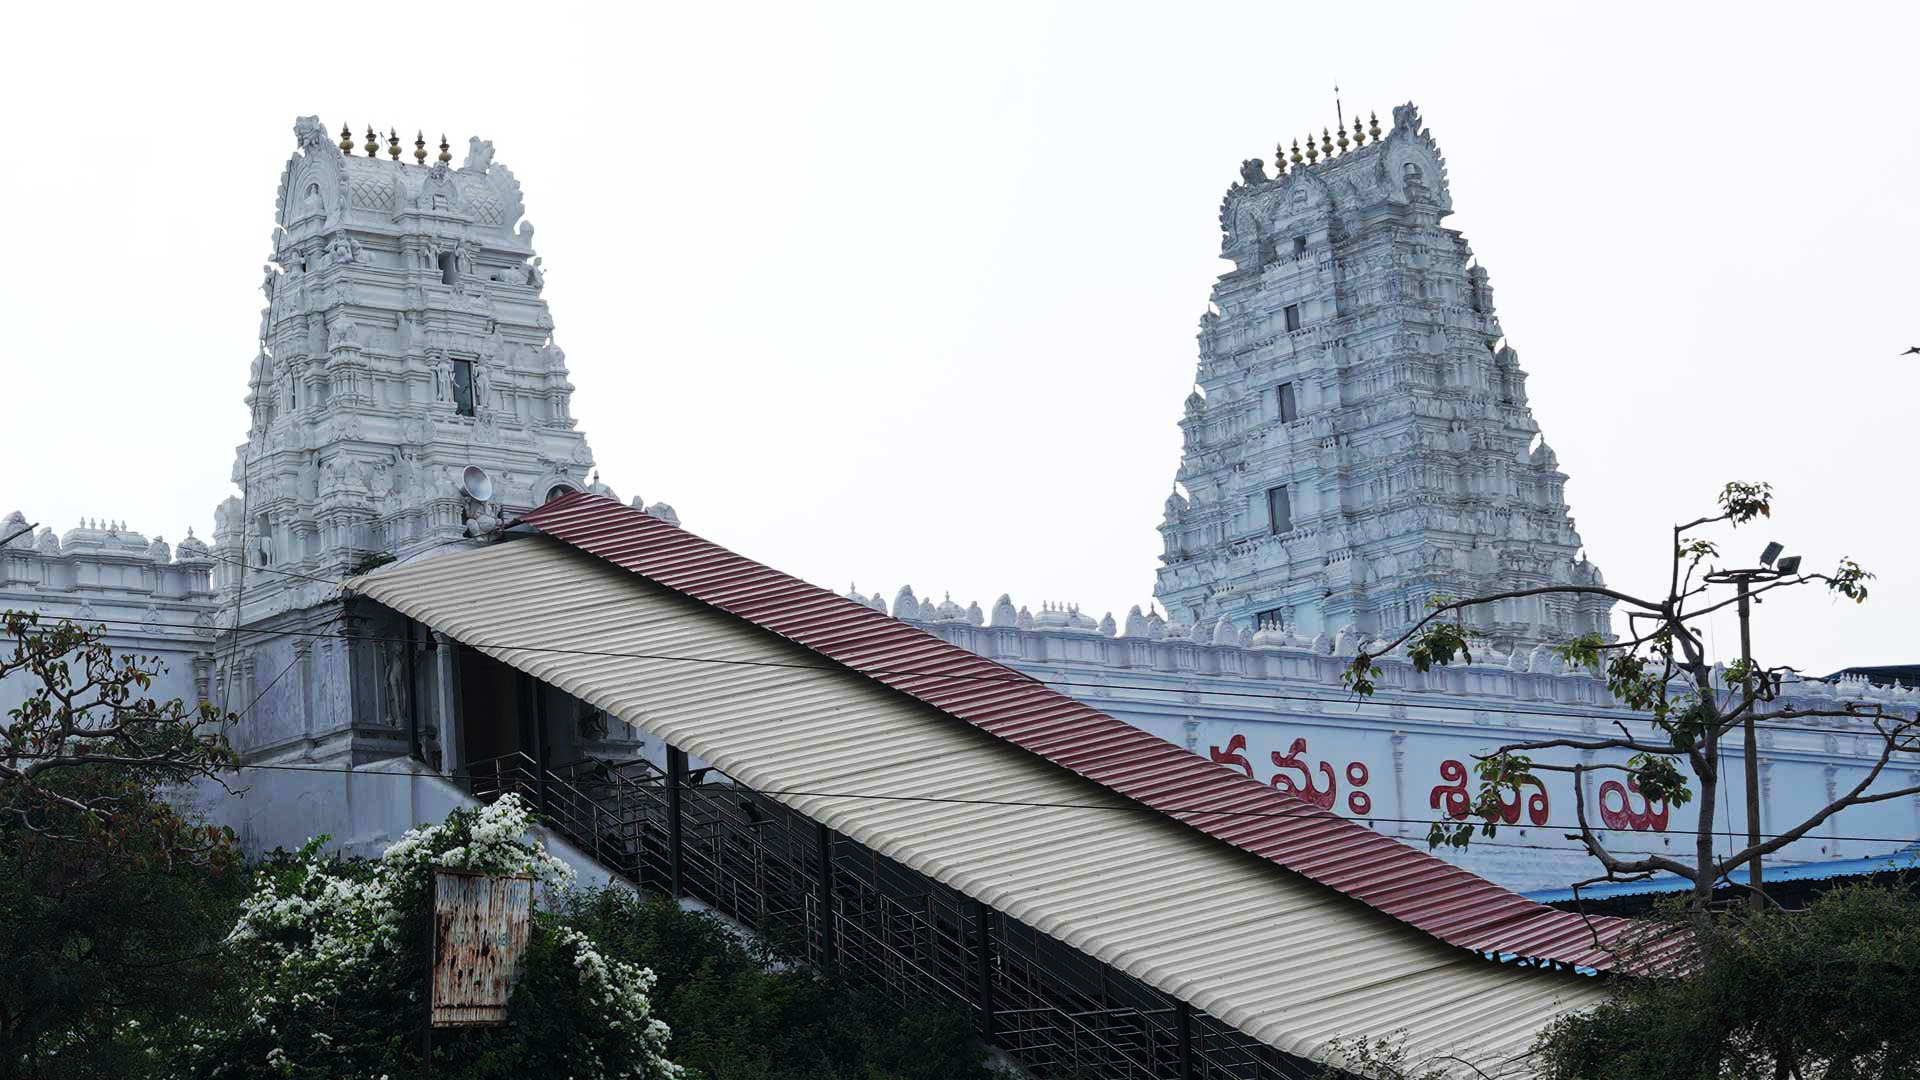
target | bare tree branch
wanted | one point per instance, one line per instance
(1614, 864)
(80, 755)
(1461, 605)
(1571, 743)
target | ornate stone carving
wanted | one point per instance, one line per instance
(1310, 482)
(378, 270)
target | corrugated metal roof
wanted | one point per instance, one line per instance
(1280, 958)
(1905, 859)
(1449, 902)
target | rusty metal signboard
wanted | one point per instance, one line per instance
(479, 929)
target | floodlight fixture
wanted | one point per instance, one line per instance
(1788, 565)
(1771, 553)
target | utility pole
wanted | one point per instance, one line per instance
(1768, 570)
(1756, 899)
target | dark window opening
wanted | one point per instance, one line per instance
(463, 387)
(1279, 510)
(497, 720)
(447, 272)
(1299, 245)
(1269, 619)
(558, 490)
(1293, 317)
(1289, 411)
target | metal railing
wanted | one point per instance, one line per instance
(825, 900)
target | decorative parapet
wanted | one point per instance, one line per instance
(1148, 644)
(153, 600)
(101, 559)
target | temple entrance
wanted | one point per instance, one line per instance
(494, 711)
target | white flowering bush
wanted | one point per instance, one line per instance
(498, 839)
(329, 958)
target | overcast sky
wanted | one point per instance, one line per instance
(908, 293)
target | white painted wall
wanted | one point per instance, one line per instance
(361, 810)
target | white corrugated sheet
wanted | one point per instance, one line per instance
(1285, 960)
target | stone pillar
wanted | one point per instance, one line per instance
(446, 705)
(203, 678)
(303, 696)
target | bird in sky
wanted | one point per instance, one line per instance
(1911, 350)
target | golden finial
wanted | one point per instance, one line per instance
(393, 144)
(1313, 152)
(445, 154)
(1326, 143)
(420, 147)
(373, 143)
(1296, 153)
(346, 140)
(1359, 135)
(1343, 138)
(1373, 126)
(1279, 160)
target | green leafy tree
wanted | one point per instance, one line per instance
(1663, 670)
(110, 899)
(1388, 1057)
(738, 1013)
(81, 757)
(1832, 992)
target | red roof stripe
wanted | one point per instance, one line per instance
(1410, 885)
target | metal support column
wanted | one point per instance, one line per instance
(827, 958)
(983, 960)
(534, 702)
(676, 779)
(413, 699)
(1183, 1029)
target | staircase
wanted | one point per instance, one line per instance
(817, 898)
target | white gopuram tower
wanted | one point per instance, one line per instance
(407, 394)
(1360, 441)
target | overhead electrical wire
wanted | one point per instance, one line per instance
(1129, 806)
(1017, 677)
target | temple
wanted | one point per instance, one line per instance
(404, 342)
(1359, 441)
(406, 397)
(1357, 445)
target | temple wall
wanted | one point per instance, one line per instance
(1403, 759)
(149, 602)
